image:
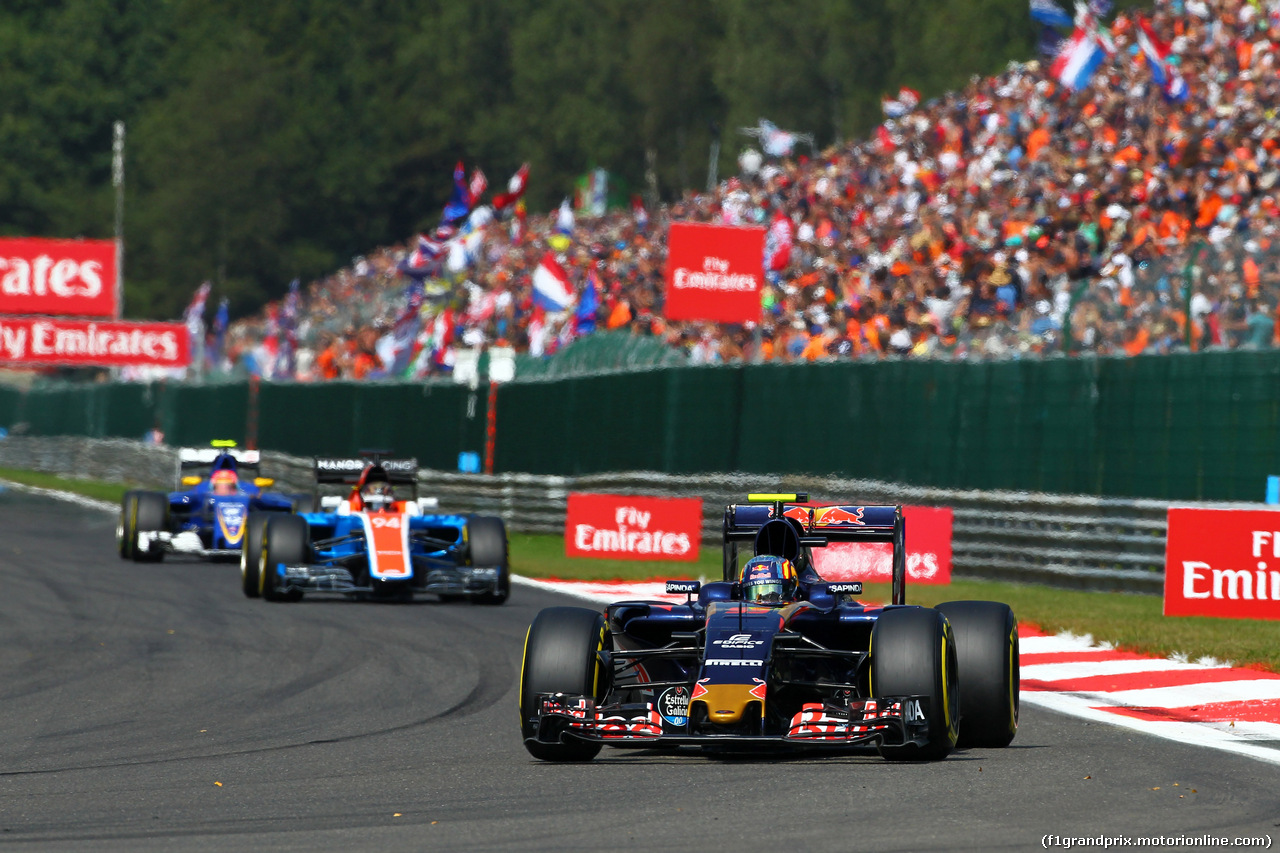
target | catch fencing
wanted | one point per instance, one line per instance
(1060, 540)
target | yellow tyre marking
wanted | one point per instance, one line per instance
(523, 661)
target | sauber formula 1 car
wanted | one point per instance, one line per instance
(219, 488)
(370, 544)
(773, 656)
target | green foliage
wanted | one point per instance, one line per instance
(268, 142)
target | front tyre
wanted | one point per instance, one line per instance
(285, 539)
(913, 654)
(487, 549)
(251, 554)
(150, 514)
(126, 526)
(987, 653)
(561, 655)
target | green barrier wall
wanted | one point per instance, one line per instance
(1182, 427)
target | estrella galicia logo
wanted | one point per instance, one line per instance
(738, 641)
(673, 705)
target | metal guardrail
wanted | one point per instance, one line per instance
(1061, 540)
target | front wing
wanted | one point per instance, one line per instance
(441, 578)
(888, 720)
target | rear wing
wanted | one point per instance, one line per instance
(203, 457)
(347, 470)
(818, 525)
(198, 462)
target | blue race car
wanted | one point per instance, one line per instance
(373, 544)
(773, 656)
(219, 487)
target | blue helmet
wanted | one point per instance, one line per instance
(768, 580)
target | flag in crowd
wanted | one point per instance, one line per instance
(906, 101)
(1101, 33)
(287, 348)
(460, 201)
(194, 315)
(588, 304)
(1079, 59)
(1050, 43)
(638, 211)
(565, 222)
(1156, 53)
(220, 322)
(778, 242)
(515, 189)
(1049, 13)
(551, 286)
(479, 183)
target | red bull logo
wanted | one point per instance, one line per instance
(836, 515)
(799, 513)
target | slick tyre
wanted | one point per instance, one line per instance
(150, 514)
(251, 554)
(126, 526)
(285, 539)
(986, 635)
(487, 548)
(913, 653)
(561, 655)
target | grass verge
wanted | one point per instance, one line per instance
(1133, 622)
(110, 492)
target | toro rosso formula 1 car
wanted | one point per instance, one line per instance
(773, 656)
(371, 544)
(219, 489)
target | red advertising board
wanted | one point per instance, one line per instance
(1222, 562)
(89, 343)
(714, 272)
(928, 552)
(64, 278)
(631, 527)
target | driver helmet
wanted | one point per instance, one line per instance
(377, 496)
(768, 580)
(223, 482)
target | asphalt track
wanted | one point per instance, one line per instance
(129, 692)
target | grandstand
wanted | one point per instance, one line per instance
(1017, 218)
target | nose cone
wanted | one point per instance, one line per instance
(727, 703)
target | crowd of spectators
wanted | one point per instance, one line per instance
(1013, 218)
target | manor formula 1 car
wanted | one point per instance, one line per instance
(774, 656)
(369, 544)
(219, 487)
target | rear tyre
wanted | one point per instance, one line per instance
(913, 654)
(285, 539)
(561, 656)
(150, 515)
(251, 554)
(126, 527)
(487, 546)
(986, 635)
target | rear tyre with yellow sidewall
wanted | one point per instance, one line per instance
(561, 655)
(987, 652)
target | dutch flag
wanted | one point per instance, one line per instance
(1080, 57)
(551, 288)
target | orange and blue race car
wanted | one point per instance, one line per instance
(218, 488)
(379, 540)
(773, 656)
